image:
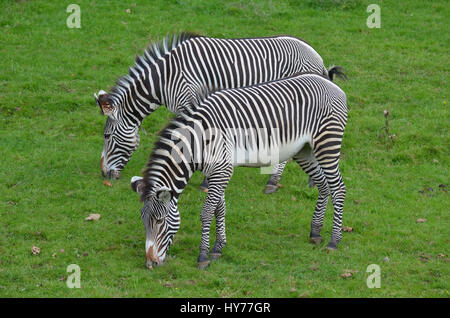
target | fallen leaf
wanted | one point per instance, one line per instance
(93, 217)
(314, 268)
(347, 273)
(347, 229)
(421, 220)
(292, 290)
(425, 257)
(35, 250)
(107, 183)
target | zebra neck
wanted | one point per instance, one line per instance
(169, 174)
(141, 92)
(171, 164)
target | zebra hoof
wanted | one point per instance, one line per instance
(203, 261)
(204, 186)
(203, 189)
(203, 265)
(270, 188)
(315, 240)
(215, 256)
(332, 246)
(215, 253)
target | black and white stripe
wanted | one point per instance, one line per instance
(176, 71)
(302, 117)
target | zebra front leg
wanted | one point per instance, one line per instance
(221, 239)
(272, 184)
(206, 218)
(214, 200)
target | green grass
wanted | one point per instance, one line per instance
(50, 145)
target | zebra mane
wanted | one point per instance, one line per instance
(162, 47)
(154, 51)
(163, 136)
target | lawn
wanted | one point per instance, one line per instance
(51, 138)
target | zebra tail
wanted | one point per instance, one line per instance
(337, 71)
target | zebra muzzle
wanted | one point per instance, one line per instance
(114, 174)
(151, 259)
(101, 167)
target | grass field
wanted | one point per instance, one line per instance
(51, 140)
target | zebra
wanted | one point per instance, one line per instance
(301, 117)
(177, 70)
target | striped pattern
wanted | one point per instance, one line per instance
(175, 73)
(302, 117)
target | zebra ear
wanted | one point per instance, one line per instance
(137, 184)
(164, 195)
(104, 102)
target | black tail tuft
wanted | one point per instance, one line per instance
(337, 71)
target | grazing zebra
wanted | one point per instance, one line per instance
(177, 70)
(302, 117)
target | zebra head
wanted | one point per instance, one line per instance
(119, 140)
(161, 220)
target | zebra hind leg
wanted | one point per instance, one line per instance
(272, 184)
(338, 192)
(327, 155)
(316, 174)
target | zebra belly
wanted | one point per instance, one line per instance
(268, 156)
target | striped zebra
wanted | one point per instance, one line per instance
(176, 71)
(302, 117)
